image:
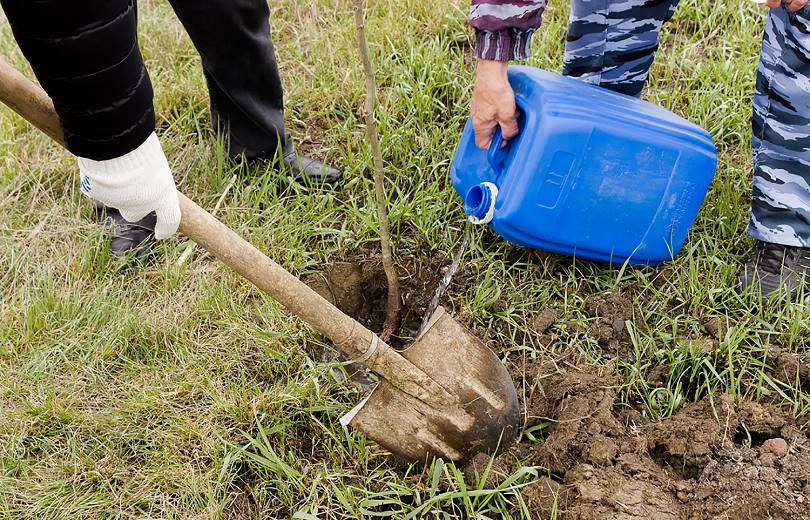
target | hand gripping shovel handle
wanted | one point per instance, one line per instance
(32, 103)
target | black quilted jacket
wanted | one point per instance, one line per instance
(85, 54)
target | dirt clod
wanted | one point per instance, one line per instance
(715, 326)
(609, 304)
(581, 406)
(601, 451)
(788, 367)
(633, 490)
(495, 470)
(610, 311)
(776, 446)
(543, 321)
(684, 443)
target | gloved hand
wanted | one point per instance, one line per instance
(135, 184)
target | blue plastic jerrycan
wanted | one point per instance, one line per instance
(593, 174)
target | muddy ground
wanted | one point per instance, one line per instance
(358, 287)
(714, 459)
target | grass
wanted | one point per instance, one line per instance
(183, 393)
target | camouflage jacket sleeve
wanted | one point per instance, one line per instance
(503, 28)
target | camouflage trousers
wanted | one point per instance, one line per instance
(612, 43)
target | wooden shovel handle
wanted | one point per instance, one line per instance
(32, 103)
(298, 298)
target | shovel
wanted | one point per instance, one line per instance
(447, 395)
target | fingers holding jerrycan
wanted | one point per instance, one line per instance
(493, 104)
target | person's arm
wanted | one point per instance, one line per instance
(503, 32)
(86, 56)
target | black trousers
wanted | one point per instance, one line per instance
(85, 54)
(239, 63)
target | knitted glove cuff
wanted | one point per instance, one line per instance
(136, 184)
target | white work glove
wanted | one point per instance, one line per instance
(135, 184)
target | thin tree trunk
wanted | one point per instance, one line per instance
(394, 306)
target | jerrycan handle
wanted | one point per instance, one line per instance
(495, 154)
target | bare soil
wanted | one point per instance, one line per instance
(719, 458)
(714, 459)
(358, 287)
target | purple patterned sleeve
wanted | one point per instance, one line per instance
(504, 28)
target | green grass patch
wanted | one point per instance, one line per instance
(166, 393)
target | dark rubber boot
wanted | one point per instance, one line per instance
(128, 237)
(775, 269)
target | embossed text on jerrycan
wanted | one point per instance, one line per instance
(592, 173)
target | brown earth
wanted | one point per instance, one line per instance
(714, 459)
(718, 458)
(358, 287)
(610, 311)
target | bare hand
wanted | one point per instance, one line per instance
(790, 5)
(493, 103)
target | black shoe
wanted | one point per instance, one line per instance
(302, 167)
(128, 237)
(774, 268)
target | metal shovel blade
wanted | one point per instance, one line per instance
(485, 420)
